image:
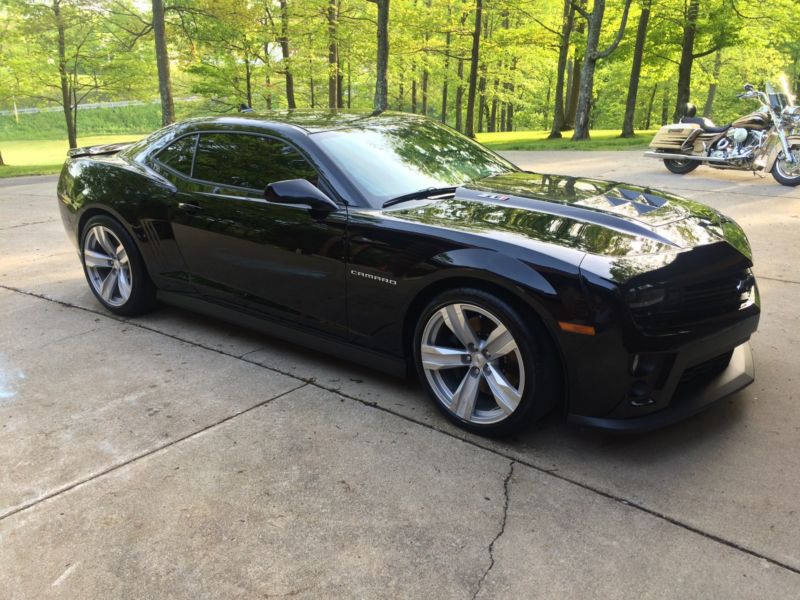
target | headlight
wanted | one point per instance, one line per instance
(645, 295)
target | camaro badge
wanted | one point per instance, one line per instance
(373, 277)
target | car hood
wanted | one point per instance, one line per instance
(594, 216)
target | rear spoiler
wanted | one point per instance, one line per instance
(102, 150)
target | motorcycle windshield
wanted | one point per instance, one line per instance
(778, 100)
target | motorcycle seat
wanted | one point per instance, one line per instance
(706, 125)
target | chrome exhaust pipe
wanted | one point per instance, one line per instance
(663, 155)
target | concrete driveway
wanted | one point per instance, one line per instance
(176, 456)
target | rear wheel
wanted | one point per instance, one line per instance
(680, 167)
(787, 173)
(487, 369)
(114, 268)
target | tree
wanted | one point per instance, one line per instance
(594, 24)
(559, 119)
(636, 69)
(469, 129)
(381, 86)
(722, 33)
(162, 61)
(333, 56)
(286, 53)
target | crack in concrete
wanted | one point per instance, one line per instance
(791, 281)
(476, 444)
(26, 224)
(506, 497)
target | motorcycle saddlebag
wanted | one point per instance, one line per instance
(676, 137)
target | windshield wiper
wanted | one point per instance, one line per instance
(420, 195)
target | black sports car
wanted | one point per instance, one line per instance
(397, 242)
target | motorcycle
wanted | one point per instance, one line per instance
(765, 141)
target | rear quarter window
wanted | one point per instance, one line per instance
(179, 155)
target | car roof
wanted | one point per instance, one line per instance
(308, 120)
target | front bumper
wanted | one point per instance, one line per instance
(687, 401)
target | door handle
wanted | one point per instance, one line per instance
(189, 208)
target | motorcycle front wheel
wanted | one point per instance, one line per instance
(681, 167)
(787, 173)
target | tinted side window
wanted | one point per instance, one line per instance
(178, 155)
(248, 161)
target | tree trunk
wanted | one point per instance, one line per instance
(563, 52)
(311, 81)
(443, 115)
(400, 97)
(708, 109)
(481, 97)
(248, 81)
(547, 102)
(162, 61)
(333, 57)
(650, 107)
(636, 69)
(495, 102)
(460, 96)
(665, 107)
(572, 100)
(267, 82)
(508, 123)
(594, 23)
(66, 93)
(381, 85)
(2, 164)
(424, 91)
(349, 86)
(413, 92)
(286, 54)
(469, 128)
(687, 58)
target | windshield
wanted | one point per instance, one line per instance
(778, 100)
(405, 156)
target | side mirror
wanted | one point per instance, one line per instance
(299, 192)
(749, 87)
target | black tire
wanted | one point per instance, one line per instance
(782, 178)
(681, 167)
(540, 379)
(141, 293)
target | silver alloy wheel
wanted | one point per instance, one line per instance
(108, 265)
(472, 363)
(786, 169)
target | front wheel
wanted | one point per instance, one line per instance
(681, 167)
(787, 173)
(488, 370)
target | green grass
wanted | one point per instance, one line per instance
(602, 139)
(96, 121)
(45, 157)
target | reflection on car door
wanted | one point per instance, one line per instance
(274, 259)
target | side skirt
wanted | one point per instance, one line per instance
(381, 362)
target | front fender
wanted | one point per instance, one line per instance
(774, 147)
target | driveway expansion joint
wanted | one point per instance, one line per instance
(503, 520)
(85, 480)
(476, 444)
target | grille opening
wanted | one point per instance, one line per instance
(708, 369)
(686, 305)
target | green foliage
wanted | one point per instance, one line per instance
(228, 53)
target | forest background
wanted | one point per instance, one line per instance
(523, 74)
